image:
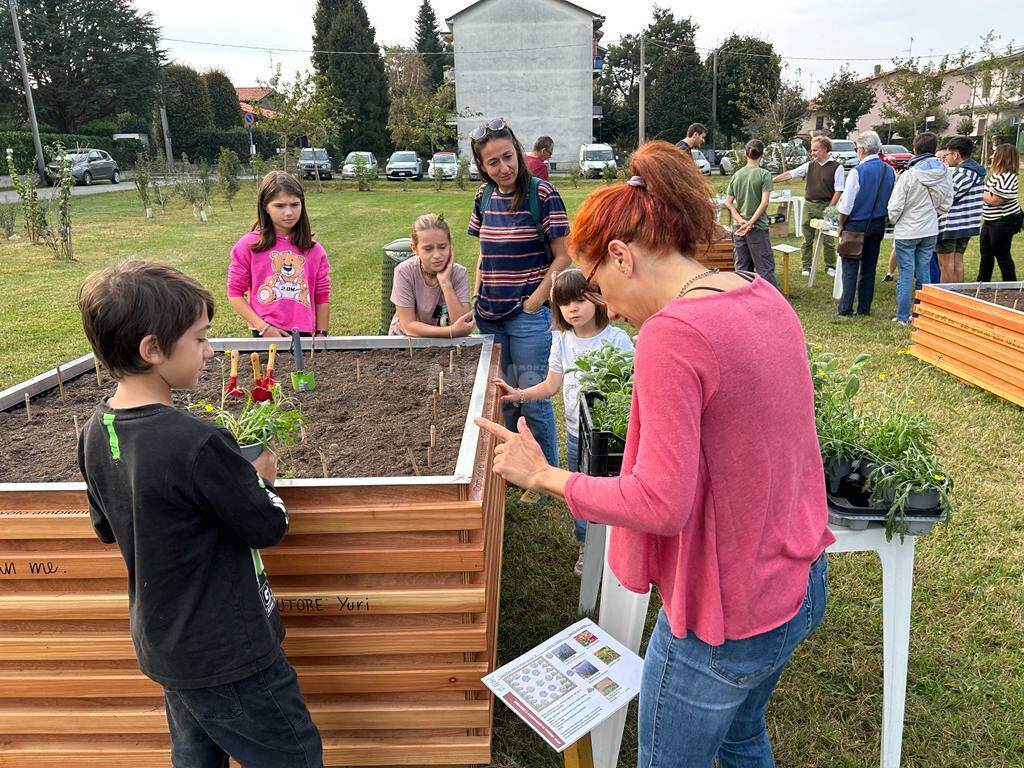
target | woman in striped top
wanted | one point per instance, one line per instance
(1000, 215)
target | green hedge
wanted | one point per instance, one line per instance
(24, 152)
(208, 143)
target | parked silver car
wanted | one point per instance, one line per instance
(313, 161)
(403, 165)
(348, 169)
(845, 152)
(702, 162)
(87, 166)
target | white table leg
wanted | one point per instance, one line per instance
(897, 587)
(623, 614)
(593, 565)
(797, 205)
(814, 258)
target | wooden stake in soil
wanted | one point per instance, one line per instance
(96, 365)
(60, 382)
(440, 383)
(433, 405)
(28, 408)
(451, 361)
(78, 432)
(323, 463)
(357, 370)
(430, 457)
(412, 459)
(433, 436)
(977, 293)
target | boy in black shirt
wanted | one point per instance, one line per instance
(189, 515)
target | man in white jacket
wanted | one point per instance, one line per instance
(923, 193)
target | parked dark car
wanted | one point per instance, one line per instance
(87, 166)
(895, 155)
(314, 160)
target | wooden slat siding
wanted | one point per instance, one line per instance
(451, 516)
(328, 716)
(928, 323)
(968, 375)
(980, 328)
(300, 641)
(719, 255)
(333, 679)
(312, 601)
(279, 561)
(938, 339)
(343, 751)
(966, 304)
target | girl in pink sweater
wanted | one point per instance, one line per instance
(721, 499)
(279, 278)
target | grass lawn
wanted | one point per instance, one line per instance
(966, 676)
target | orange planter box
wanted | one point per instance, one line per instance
(976, 340)
(388, 588)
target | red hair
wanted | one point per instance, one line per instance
(672, 211)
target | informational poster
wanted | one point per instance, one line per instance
(570, 683)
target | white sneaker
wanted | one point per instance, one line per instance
(805, 272)
(831, 271)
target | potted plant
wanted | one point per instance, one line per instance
(840, 428)
(258, 423)
(606, 392)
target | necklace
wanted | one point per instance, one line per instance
(695, 278)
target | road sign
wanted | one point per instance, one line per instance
(248, 119)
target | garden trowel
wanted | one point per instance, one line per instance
(231, 388)
(258, 392)
(302, 380)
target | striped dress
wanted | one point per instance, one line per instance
(1007, 187)
(513, 261)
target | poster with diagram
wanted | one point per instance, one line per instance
(570, 683)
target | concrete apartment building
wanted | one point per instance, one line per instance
(531, 62)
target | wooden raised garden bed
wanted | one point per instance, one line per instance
(974, 332)
(388, 585)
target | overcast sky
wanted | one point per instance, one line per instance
(821, 29)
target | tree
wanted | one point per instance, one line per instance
(188, 106)
(668, 51)
(357, 83)
(775, 117)
(428, 43)
(227, 113)
(844, 99)
(913, 93)
(89, 59)
(680, 94)
(745, 65)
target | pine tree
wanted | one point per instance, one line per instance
(227, 114)
(428, 43)
(357, 82)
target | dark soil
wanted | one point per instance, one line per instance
(1006, 297)
(357, 430)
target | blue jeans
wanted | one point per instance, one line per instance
(572, 463)
(699, 702)
(525, 346)
(859, 274)
(913, 257)
(261, 721)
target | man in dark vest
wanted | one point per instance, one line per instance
(825, 181)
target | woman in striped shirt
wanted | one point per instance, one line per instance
(1000, 215)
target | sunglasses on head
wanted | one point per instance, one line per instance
(494, 126)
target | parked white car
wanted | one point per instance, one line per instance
(446, 161)
(403, 165)
(702, 162)
(348, 169)
(594, 158)
(845, 152)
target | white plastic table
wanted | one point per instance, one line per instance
(794, 208)
(623, 614)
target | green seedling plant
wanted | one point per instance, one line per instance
(278, 420)
(611, 413)
(608, 371)
(839, 426)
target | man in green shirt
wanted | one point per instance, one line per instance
(747, 200)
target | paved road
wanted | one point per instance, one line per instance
(9, 195)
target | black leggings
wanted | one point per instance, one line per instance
(995, 239)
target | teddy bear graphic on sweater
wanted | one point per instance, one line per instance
(286, 282)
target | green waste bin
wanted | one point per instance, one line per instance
(395, 253)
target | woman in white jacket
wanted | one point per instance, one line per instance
(923, 192)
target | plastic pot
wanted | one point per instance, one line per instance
(252, 451)
(929, 499)
(835, 471)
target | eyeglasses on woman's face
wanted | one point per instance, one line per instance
(591, 291)
(494, 126)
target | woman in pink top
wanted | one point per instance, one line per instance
(721, 498)
(279, 278)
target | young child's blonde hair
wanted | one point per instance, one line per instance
(566, 288)
(429, 221)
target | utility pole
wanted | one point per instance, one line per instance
(163, 111)
(643, 95)
(714, 96)
(40, 158)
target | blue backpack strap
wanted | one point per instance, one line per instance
(485, 199)
(538, 222)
